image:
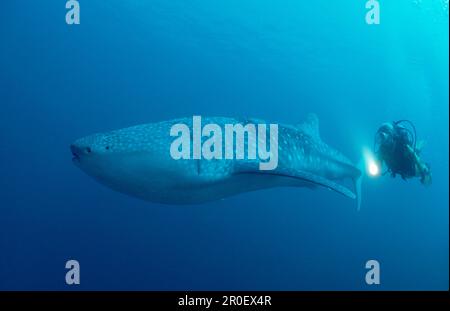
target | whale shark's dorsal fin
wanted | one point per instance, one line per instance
(311, 126)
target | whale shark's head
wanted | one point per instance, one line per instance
(101, 155)
(133, 160)
(119, 159)
(91, 150)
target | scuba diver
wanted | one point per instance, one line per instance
(396, 146)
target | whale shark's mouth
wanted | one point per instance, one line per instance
(75, 153)
(75, 157)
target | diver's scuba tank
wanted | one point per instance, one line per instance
(388, 134)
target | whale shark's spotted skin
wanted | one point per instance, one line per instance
(137, 161)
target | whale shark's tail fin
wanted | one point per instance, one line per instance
(358, 181)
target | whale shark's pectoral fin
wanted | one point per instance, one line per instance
(324, 182)
(305, 177)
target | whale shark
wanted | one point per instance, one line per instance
(137, 161)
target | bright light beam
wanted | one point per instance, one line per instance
(373, 169)
(372, 166)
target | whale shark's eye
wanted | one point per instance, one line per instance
(88, 149)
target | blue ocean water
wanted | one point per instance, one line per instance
(132, 62)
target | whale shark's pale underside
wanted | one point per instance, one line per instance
(137, 161)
